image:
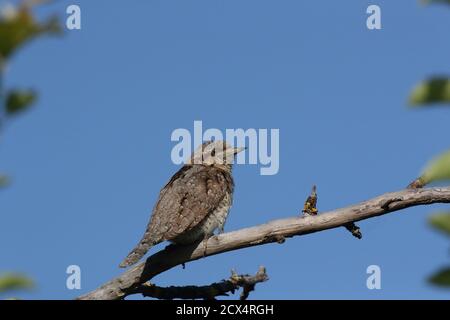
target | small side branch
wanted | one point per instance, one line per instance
(310, 209)
(353, 229)
(222, 288)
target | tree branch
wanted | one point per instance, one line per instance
(246, 282)
(270, 232)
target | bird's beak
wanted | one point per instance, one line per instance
(237, 150)
(230, 153)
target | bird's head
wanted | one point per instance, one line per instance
(214, 153)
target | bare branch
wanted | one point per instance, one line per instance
(247, 282)
(354, 230)
(310, 209)
(270, 232)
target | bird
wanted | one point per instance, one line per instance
(194, 203)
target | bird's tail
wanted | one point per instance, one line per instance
(136, 254)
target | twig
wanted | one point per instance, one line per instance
(270, 232)
(310, 209)
(222, 288)
(417, 184)
(354, 230)
(310, 206)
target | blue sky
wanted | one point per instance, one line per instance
(88, 161)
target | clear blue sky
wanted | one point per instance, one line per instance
(88, 161)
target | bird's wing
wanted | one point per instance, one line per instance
(191, 194)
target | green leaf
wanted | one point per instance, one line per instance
(14, 281)
(441, 278)
(437, 170)
(435, 90)
(441, 221)
(18, 26)
(19, 100)
(435, 1)
(4, 181)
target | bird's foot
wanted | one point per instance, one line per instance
(205, 242)
(205, 245)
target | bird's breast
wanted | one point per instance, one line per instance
(214, 220)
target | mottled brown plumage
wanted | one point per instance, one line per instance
(194, 203)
